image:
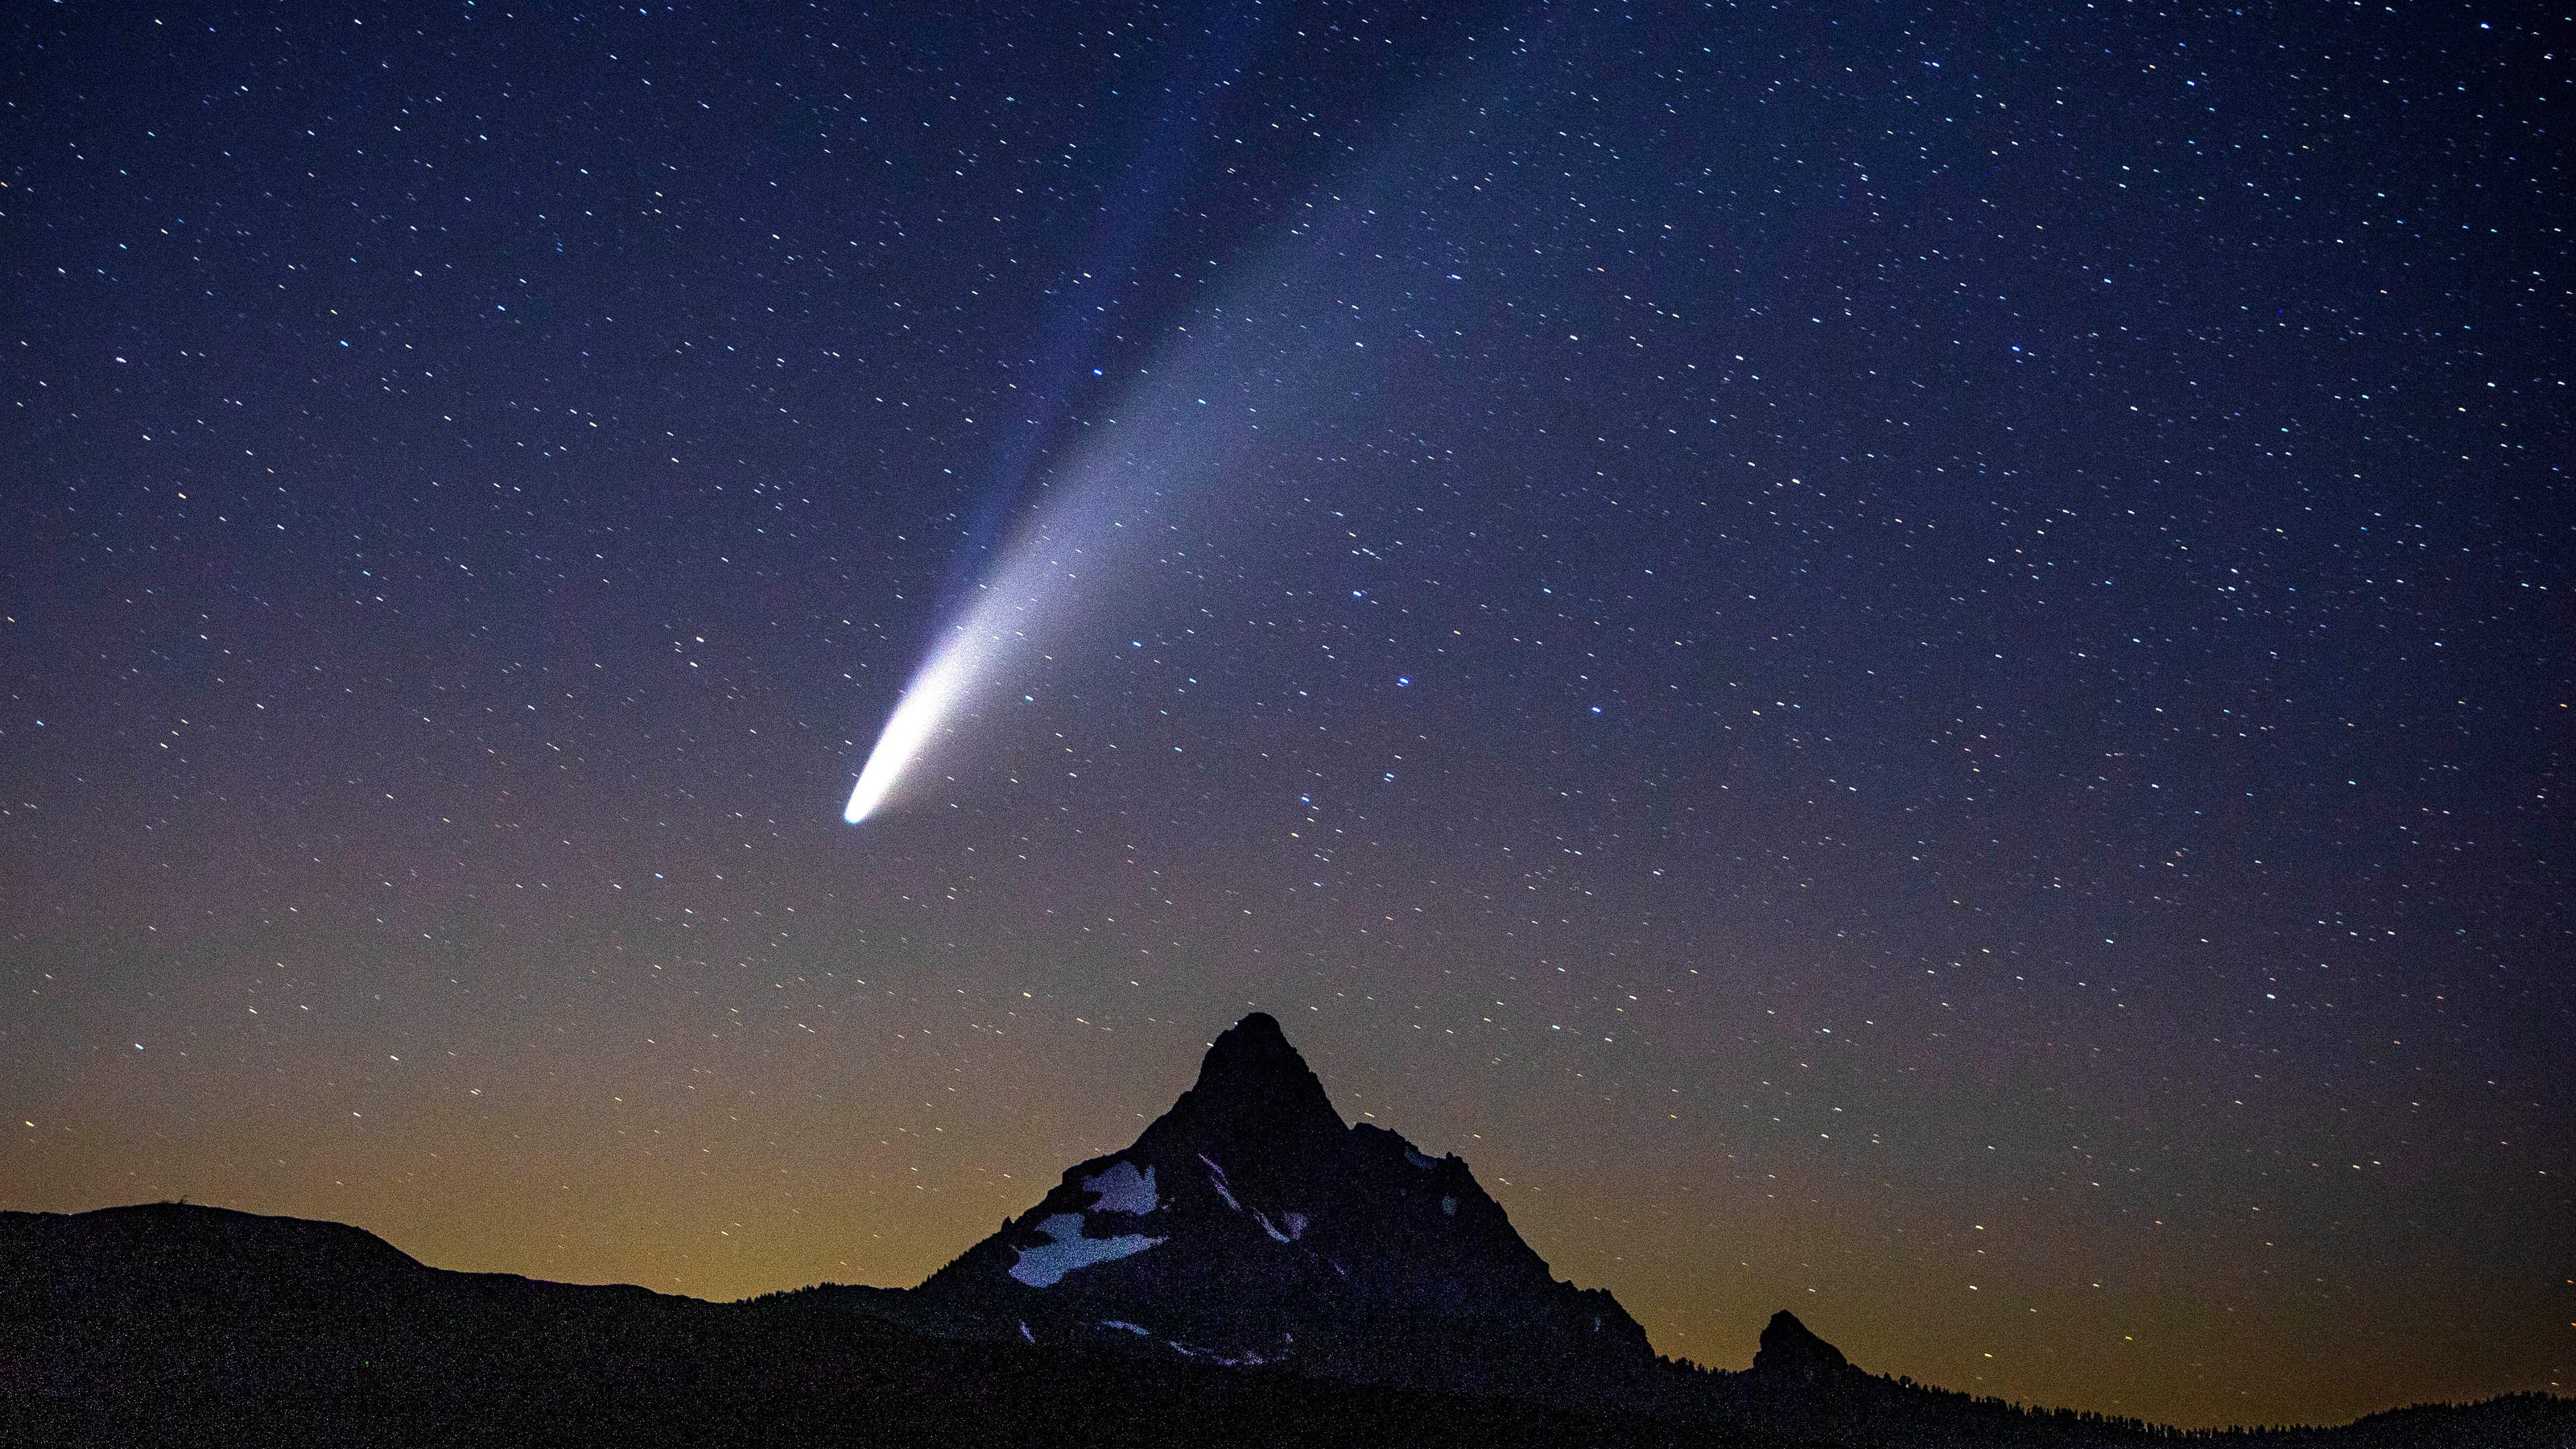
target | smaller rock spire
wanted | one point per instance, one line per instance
(1791, 1349)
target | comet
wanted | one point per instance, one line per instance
(1138, 468)
(1007, 608)
(1100, 522)
(926, 701)
(1030, 571)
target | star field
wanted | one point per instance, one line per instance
(1902, 662)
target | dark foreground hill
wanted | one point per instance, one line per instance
(1251, 1271)
(179, 1325)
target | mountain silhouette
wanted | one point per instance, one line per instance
(1790, 1350)
(1250, 1225)
(1251, 1270)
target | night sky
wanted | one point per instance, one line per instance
(1907, 661)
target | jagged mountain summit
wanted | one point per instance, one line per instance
(1251, 1225)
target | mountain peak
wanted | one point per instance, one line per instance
(1253, 1084)
(1257, 1032)
(1254, 1054)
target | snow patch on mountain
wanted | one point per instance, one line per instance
(1123, 1189)
(1044, 1265)
(1216, 1179)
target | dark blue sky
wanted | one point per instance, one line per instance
(1904, 662)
